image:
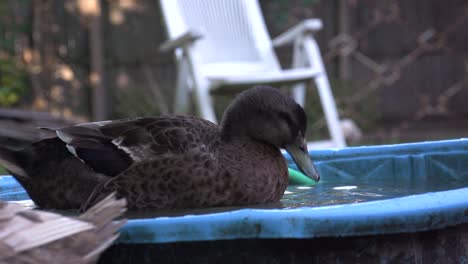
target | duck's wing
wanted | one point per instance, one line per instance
(32, 236)
(110, 147)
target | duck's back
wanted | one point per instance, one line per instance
(149, 136)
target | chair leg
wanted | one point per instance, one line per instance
(299, 89)
(205, 106)
(181, 104)
(326, 97)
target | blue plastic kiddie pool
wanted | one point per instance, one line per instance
(414, 208)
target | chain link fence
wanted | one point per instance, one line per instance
(411, 56)
(397, 68)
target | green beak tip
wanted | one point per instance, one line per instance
(297, 178)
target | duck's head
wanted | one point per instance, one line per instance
(267, 115)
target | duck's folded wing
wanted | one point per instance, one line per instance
(110, 147)
(95, 149)
(99, 144)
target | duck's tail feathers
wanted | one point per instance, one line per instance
(101, 216)
(11, 160)
(39, 236)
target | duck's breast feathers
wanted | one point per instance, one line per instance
(120, 143)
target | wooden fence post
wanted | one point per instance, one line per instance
(100, 95)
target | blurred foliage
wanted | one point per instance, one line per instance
(133, 102)
(12, 82)
(13, 77)
(3, 171)
(283, 11)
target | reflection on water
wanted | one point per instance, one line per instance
(332, 194)
(322, 194)
(26, 203)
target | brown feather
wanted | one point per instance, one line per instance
(32, 236)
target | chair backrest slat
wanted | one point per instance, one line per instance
(233, 30)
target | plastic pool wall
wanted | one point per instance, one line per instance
(431, 227)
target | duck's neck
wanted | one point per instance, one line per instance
(230, 133)
(243, 123)
(233, 127)
(235, 136)
(240, 129)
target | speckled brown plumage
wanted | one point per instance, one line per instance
(168, 162)
(192, 167)
(33, 236)
(202, 177)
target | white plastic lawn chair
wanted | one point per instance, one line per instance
(226, 43)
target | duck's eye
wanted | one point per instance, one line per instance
(286, 117)
(292, 124)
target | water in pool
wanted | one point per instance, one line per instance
(322, 194)
(332, 194)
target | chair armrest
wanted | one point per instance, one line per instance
(308, 25)
(187, 37)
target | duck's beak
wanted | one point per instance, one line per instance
(300, 154)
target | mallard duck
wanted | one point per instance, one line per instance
(33, 236)
(171, 161)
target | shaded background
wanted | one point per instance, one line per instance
(398, 68)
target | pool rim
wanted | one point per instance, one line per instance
(412, 213)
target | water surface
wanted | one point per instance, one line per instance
(321, 194)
